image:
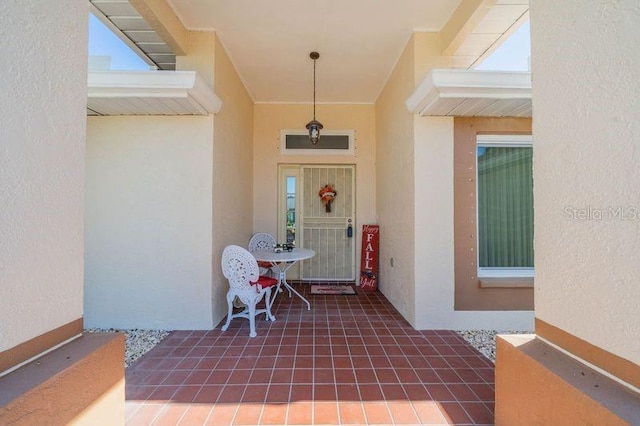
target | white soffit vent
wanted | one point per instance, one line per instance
(127, 24)
(149, 93)
(472, 93)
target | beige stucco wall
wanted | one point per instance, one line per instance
(201, 55)
(148, 222)
(271, 118)
(434, 250)
(427, 55)
(395, 201)
(232, 178)
(586, 130)
(416, 154)
(433, 183)
(42, 137)
(165, 195)
(434, 237)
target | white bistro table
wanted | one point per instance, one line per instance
(283, 262)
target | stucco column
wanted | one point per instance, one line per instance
(587, 222)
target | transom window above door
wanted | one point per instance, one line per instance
(332, 142)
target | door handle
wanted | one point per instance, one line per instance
(349, 229)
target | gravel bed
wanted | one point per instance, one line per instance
(138, 342)
(485, 340)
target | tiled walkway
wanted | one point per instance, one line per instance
(350, 360)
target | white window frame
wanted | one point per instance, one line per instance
(503, 141)
(314, 151)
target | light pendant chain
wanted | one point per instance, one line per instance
(314, 89)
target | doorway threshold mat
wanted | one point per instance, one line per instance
(319, 289)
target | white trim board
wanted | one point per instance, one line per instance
(316, 151)
(472, 93)
(505, 140)
(150, 93)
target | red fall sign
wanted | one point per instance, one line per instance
(369, 257)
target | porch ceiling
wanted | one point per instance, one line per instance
(359, 42)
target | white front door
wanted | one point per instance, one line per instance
(326, 231)
(303, 218)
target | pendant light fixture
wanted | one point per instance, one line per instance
(314, 125)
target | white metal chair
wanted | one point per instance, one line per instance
(241, 270)
(262, 241)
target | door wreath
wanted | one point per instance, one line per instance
(327, 193)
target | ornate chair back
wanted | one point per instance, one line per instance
(241, 270)
(261, 241)
(239, 267)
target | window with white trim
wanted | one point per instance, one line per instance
(505, 205)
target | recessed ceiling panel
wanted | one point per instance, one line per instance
(359, 42)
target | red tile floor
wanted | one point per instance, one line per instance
(349, 360)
